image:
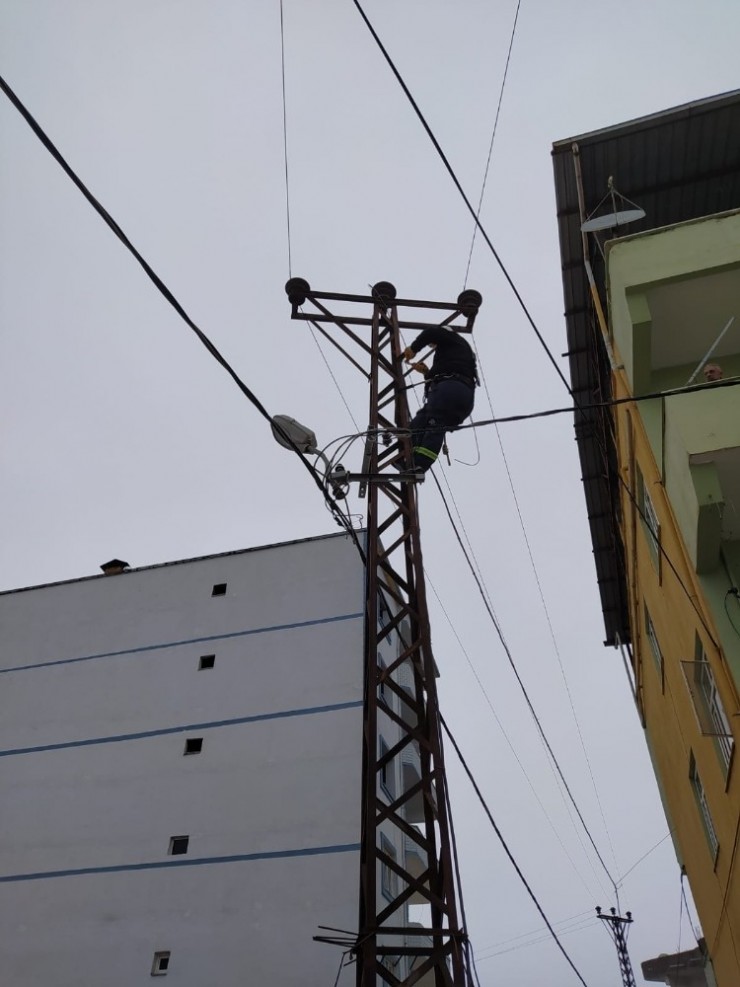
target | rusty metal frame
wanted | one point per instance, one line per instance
(395, 583)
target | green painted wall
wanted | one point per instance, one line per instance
(660, 257)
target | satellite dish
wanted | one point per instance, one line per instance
(612, 219)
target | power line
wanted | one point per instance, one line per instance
(560, 923)
(503, 452)
(508, 852)
(505, 735)
(580, 927)
(478, 575)
(168, 295)
(622, 482)
(331, 374)
(493, 138)
(285, 135)
(287, 208)
(510, 281)
(494, 617)
(599, 405)
(522, 687)
(458, 186)
(640, 860)
(544, 603)
(489, 606)
(557, 652)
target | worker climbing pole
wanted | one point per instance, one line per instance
(406, 855)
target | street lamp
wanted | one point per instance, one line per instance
(290, 434)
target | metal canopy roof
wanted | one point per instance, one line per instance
(677, 165)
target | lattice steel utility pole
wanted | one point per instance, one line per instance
(619, 929)
(406, 847)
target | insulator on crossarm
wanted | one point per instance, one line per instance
(296, 289)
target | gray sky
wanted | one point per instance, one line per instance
(122, 437)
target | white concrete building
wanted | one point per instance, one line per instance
(180, 768)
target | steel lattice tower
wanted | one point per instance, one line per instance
(388, 948)
(618, 929)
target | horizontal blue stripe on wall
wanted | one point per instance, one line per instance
(185, 728)
(177, 644)
(182, 862)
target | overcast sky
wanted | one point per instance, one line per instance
(122, 437)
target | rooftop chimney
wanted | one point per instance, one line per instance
(114, 567)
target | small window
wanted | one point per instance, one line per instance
(206, 661)
(193, 745)
(388, 877)
(161, 963)
(651, 525)
(714, 720)
(178, 845)
(654, 646)
(219, 589)
(387, 775)
(384, 693)
(703, 807)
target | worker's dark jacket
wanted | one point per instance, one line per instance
(453, 355)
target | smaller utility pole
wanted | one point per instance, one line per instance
(618, 929)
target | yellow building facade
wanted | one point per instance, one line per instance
(648, 305)
(671, 293)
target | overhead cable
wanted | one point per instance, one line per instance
(493, 138)
(598, 405)
(561, 924)
(460, 189)
(287, 208)
(478, 574)
(513, 287)
(165, 291)
(588, 923)
(647, 854)
(505, 735)
(507, 851)
(523, 688)
(285, 135)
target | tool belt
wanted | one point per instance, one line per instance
(470, 381)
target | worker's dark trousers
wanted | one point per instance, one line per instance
(448, 403)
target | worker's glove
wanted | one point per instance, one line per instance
(408, 354)
(421, 367)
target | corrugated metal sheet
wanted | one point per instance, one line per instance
(677, 165)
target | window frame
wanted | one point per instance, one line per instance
(383, 774)
(655, 648)
(175, 841)
(650, 521)
(388, 877)
(157, 971)
(724, 741)
(384, 692)
(702, 804)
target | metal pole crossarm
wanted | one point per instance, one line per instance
(406, 843)
(466, 307)
(617, 924)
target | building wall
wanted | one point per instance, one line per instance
(100, 688)
(675, 597)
